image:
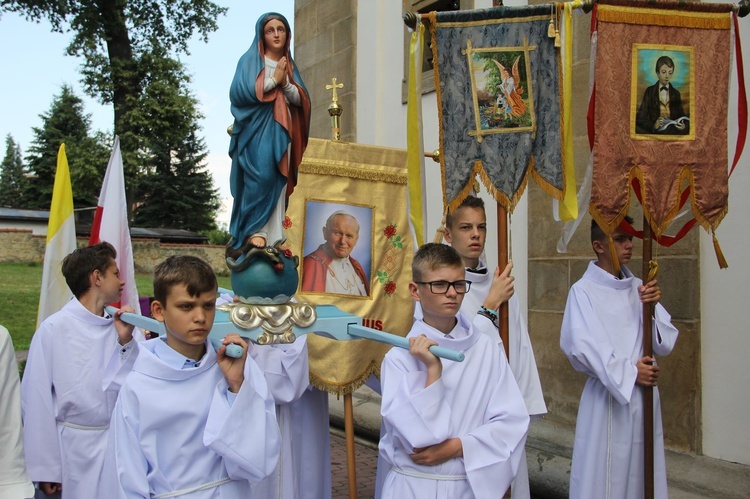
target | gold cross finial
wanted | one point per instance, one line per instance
(333, 86)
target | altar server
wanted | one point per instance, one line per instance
(602, 336)
(450, 429)
(78, 359)
(191, 420)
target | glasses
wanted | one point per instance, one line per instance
(442, 287)
(271, 31)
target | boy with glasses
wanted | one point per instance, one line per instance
(453, 430)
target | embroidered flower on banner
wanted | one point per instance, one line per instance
(287, 222)
(387, 272)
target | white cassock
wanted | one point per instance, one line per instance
(476, 400)
(74, 370)
(178, 429)
(520, 352)
(602, 336)
(304, 470)
(14, 483)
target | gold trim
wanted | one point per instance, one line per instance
(485, 22)
(320, 167)
(664, 17)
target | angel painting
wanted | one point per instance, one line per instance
(513, 102)
(499, 84)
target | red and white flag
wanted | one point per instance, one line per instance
(111, 225)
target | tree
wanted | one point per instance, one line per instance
(115, 39)
(11, 178)
(175, 191)
(87, 156)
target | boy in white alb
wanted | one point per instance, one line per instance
(190, 420)
(466, 232)
(78, 359)
(453, 429)
(602, 336)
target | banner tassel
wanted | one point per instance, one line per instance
(719, 254)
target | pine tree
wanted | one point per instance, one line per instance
(175, 191)
(11, 178)
(65, 122)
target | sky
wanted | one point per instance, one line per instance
(35, 67)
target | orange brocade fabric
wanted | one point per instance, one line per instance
(663, 162)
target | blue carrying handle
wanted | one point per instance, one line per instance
(149, 324)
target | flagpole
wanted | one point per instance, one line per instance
(648, 392)
(502, 258)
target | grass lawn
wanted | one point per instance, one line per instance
(19, 298)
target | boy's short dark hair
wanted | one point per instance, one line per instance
(78, 266)
(197, 276)
(469, 202)
(432, 256)
(597, 234)
(664, 61)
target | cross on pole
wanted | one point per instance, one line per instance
(333, 86)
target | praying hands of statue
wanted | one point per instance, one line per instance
(279, 74)
(648, 371)
(649, 292)
(501, 289)
(438, 453)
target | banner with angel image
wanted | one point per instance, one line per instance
(498, 80)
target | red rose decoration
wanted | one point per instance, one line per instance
(287, 222)
(287, 253)
(390, 288)
(278, 267)
(390, 231)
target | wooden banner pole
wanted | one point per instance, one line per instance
(349, 431)
(502, 258)
(648, 392)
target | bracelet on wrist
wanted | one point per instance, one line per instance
(489, 312)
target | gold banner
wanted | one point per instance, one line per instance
(367, 184)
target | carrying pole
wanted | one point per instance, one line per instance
(648, 392)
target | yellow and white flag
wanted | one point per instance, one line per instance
(415, 143)
(61, 241)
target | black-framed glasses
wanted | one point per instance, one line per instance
(442, 287)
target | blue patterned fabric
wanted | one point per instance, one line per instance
(505, 157)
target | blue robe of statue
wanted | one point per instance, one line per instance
(263, 163)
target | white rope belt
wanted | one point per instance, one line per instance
(81, 427)
(190, 490)
(429, 476)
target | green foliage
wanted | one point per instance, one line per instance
(124, 44)
(12, 180)
(218, 237)
(19, 301)
(66, 122)
(176, 190)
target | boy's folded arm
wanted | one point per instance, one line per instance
(420, 416)
(249, 452)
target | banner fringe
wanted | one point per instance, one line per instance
(346, 387)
